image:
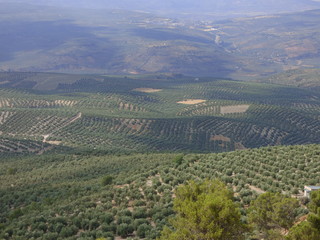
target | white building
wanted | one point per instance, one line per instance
(309, 189)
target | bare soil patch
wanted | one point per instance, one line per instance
(234, 109)
(147, 90)
(220, 138)
(149, 183)
(192, 101)
(54, 142)
(258, 190)
(121, 186)
(239, 146)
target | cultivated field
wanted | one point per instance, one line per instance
(64, 195)
(186, 115)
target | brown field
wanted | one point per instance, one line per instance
(234, 109)
(192, 101)
(54, 142)
(147, 90)
(220, 138)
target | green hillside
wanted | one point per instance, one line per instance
(68, 196)
(304, 78)
(151, 113)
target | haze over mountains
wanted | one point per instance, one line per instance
(224, 8)
(56, 39)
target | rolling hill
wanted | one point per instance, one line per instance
(45, 111)
(304, 78)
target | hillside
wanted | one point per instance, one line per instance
(61, 196)
(272, 44)
(304, 78)
(125, 42)
(42, 112)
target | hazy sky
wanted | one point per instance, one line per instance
(198, 9)
(217, 6)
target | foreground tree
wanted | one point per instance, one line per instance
(271, 213)
(310, 229)
(205, 211)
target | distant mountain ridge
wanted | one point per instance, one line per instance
(53, 39)
(187, 6)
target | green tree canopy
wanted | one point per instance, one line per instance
(107, 180)
(310, 229)
(205, 211)
(272, 212)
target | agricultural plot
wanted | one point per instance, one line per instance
(66, 196)
(34, 103)
(152, 113)
(11, 145)
(4, 116)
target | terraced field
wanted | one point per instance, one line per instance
(155, 113)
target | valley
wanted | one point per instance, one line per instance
(108, 109)
(122, 42)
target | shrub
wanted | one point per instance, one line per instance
(124, 230)
(143, 230)
(107, 180)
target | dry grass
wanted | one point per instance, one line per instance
(192, 101)
(220, 138)
(54, 142)
(234, 109)
(147, 90)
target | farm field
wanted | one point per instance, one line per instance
(151, 113)
(82, 196)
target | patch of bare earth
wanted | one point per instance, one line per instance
(257, 190)
(54, 142)
(220, 138)
(149, 183)
(239, 146)
(192, 101)
(234, 109)
(147, 90)
(121, 186)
